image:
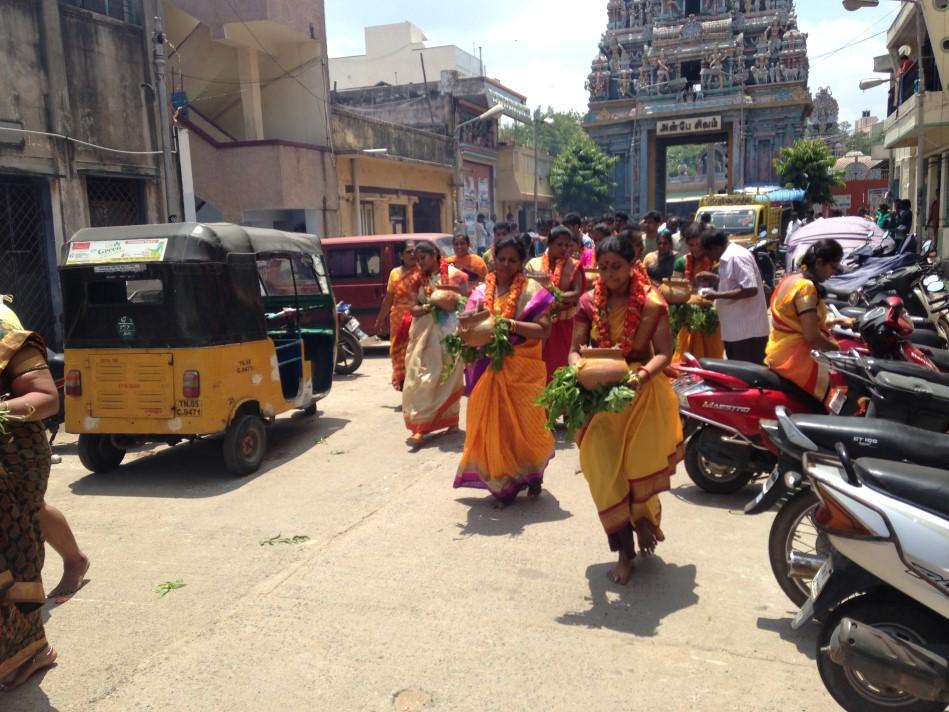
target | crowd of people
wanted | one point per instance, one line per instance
(572, 285)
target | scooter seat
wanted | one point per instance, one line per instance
(758, 376)
(907, 370)
(940, 357)
(924, 487)
(875, 437)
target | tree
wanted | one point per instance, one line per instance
(809, 164)
(553, 137)
(582, 178)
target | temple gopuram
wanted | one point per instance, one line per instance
(727, 74)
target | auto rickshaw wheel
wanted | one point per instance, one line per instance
(245, 444)
(98, 453)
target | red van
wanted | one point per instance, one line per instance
(360, 266)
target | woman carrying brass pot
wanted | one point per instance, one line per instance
(430, 402)
(696, 267)
(628, 457)
(507, 444)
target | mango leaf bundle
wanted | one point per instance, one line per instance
(694, 317)
(498, 349)
(565, 398)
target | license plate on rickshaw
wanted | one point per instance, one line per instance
(767, 486)
(817, 585)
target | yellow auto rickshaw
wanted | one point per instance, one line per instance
(184, 330)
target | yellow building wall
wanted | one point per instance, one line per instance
(381, 180)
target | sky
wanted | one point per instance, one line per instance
(543, 48)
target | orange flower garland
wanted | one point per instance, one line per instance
(558, 270)
(634, 312)
(514, 296)
(423, 280)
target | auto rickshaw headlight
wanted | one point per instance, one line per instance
(73, 386)
(191, 384)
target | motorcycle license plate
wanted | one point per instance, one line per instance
(685, 381)
(767, 487)
(817, 585)
(835, 400)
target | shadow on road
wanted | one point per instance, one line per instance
(485, 520)
(29, 697)
(196, 470)
(696, 495)
(656, 590)
(805, 639)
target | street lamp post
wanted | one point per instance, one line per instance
(459, 186)
(853, 5)
(537, 120)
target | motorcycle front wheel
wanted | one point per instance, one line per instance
(793, 530)
(348, 354)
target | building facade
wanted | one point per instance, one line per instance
(909, 109)
(727, 73)
(516, 168)
(79, 138)
(396, 54)
(251, 84)
(450, 107)
(392, 179)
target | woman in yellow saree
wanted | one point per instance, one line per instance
(430, 401)
(507, 444)
(799, 321)
(396, 307)
(628, 457)
(24, 473)
(696, 267)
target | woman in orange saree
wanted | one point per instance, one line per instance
(628, 457)
(565, 274)
(507, 444)
(431, 398)
(696, 267)
(24, 473)
(799, 321)
(473, 266)
(396, 309)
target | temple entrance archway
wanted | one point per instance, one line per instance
(720, 142)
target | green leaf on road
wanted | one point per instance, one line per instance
(163, 588)
(280, 539)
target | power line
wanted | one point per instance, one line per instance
(82, 143)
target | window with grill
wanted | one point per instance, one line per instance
(129, 11)
(115, 201)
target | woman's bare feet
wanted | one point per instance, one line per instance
(44, 659)
(74, 573)
(648, 535)
(415, 441)
(534, 489)
(622, 571)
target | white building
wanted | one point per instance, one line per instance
(395, 55)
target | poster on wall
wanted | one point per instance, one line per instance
(477, 187)
(471, 203)
(842, 202)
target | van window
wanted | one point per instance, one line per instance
(735, 221)
(355, 262)
(126, 291)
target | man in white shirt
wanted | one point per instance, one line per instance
(739, 299)
(482, 236)
(793, 225)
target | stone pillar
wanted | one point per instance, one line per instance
(248, 66)
(943, 232)
(644, 176)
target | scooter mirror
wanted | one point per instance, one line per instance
(930, 278)
(937, 286)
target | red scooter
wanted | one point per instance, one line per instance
(723, 402)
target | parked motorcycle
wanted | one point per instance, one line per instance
(349, 352)
(724, 402)
(795, 550)
(882, 598)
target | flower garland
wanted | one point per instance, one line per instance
(558, 270)
(514, 296)
(423, 280)
(634, 311)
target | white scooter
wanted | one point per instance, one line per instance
(882, 598)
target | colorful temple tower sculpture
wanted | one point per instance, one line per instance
(725, 73)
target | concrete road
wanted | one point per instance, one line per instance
(408, 594)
